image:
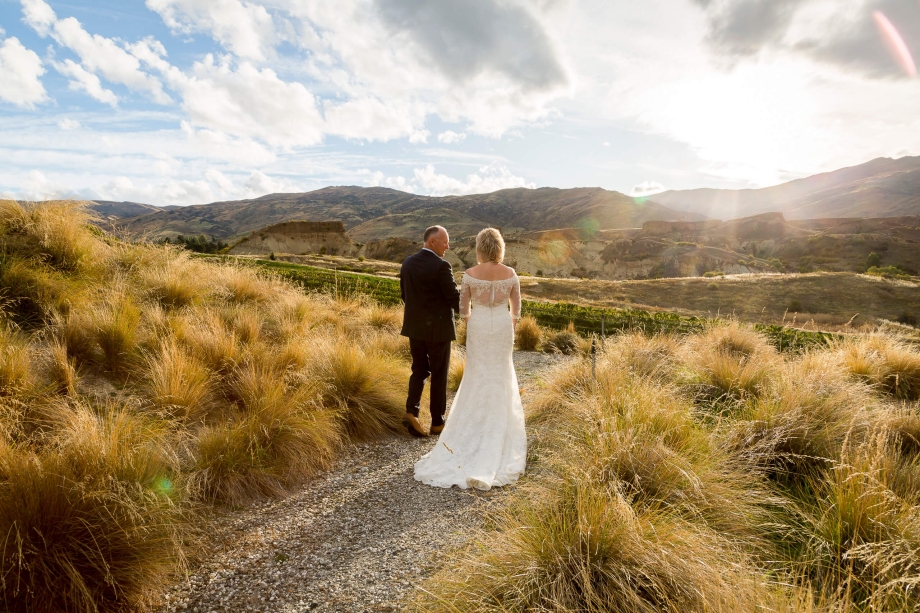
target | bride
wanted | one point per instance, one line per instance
(484, 443)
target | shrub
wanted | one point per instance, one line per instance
(713, 273)
(794, 306)
(527, 334)
(646, 356)
(712, 286)
(90, 524)
(873, 260)
(907, 318)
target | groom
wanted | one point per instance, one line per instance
(431, 298)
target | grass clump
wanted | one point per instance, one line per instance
(92, 521)
(363, 388)
(527, 334)
(885, 363)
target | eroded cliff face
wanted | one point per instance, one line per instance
(298, 237)
(763, 243)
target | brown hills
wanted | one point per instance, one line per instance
(883, 187)
(377, 212)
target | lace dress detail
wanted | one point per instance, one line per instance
(484, 443)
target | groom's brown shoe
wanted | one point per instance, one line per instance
(436, 430)
(410, 421)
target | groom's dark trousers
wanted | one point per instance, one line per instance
(431, 298)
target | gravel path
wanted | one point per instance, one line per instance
(359, 538)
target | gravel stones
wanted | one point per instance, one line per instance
(358, 538)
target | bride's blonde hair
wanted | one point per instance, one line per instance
(490, 246)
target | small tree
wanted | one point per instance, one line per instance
(873, 260)
(271, 256)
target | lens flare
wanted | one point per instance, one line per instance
(896, 45)
(553, 248)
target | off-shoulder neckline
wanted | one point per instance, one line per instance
(513, 275)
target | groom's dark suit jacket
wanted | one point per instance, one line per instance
(431, 297)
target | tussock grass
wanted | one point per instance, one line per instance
(382, 318)
(581, 548)
(527, 334)
(729, 363)
(362, 388)
(563, 341)
(457, 368)
(231, 386)
(799, 490)
(885, 363)
(58, 231)
(15, 362)
(177, 283)
(178, 382)
(117, 325)
(262, 453)
(92, 522)
(63, 373)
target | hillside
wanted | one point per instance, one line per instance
(111, 210)
(371, 210)
(883, 187)
(829, 299)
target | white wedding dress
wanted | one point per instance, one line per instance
(483, 443)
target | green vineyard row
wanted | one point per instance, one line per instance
(586, 319)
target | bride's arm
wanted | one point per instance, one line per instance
(465, 299)
(516, 300)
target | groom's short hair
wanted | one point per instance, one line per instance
(431, 232)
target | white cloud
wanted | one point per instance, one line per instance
(97, 53)
(450, 137)
(20, 72)
(606, 144)
(68, 125)
(248, 102)
(647, 188)
(214, 186)
(371, 119)
(81, 80)
(246, 29)
(36, 186)
(428, 181)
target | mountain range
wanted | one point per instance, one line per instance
(883, 187)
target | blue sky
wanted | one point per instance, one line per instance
(192, 101)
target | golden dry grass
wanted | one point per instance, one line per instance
(231, 386)
(796, 491)
(527, 334)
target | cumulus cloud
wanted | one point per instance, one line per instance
(245, 101)
(844, 34)
(646, 188)
(246, 29)
(429, 182)
(20, 73)
(98, 54)
(450, 137)
(81, 80)
(214, 186)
